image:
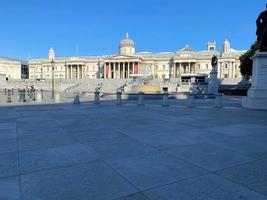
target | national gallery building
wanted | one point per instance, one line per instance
(164, 65)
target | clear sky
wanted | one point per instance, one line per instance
(98, 26)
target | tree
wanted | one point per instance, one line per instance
(246, 62)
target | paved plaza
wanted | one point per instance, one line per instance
(132, 152)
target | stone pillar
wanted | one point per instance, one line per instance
(219, 69)
(97, 97)
(218, 101)
(109, 71)
(189, 67)
(78, 71)
(66, 71)
(123, 70)
(70, 72)
(140, 99)
(233, 67)
(230, 70)
(119, 101)
(128, 64)
(76, 99)
(165, 99)
(105, 75)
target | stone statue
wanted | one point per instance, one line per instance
(213, 85)
(262, 30)
(214, 61)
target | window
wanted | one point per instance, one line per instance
(207, 66)
(163, 67)
(226, 66)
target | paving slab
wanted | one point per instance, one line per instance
(120, 148)
(9, 164)
(10, 188)
(203, 188)
(154, 169)
(56, 157)
(209, 156)
(252, 175)
(94, 180)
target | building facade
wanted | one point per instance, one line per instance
(181, 64)
(13, 68)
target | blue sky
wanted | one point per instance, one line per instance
(98, 26)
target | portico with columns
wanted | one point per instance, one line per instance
(121, 69)
(74, 71)
(183, 67)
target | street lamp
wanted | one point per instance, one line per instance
(53, 79)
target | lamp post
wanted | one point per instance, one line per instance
(53, 79)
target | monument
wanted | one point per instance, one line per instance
(213, 86)
(257, 94)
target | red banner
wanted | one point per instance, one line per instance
(107, 70)
(135, 68)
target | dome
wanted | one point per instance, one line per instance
(127, 42)
(187, 48)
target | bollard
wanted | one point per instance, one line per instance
(24, 95)
(33, 94)
(119, 101)
(140, 99)
(165, 99)
(57, 97)
(19, 95)
(42, 93)
(39, 97)
(191, 100)
(8, 96)
(218, 101)
(76, 99)
(97, 97)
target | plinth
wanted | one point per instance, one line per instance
(257, 94)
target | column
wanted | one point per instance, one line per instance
(123, 70)
(70, 71)
(104, 71)
(219, 70)
(233, 67)
(230, 70)
(120, 70)
(78, 71)
(117, 70)
(66, 71)
(128, 68)
(109, 72)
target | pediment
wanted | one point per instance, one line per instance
(123, 57)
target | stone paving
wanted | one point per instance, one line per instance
(132, 152)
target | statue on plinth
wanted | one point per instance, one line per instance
(257, 94)
(262, 30)
(213, 86)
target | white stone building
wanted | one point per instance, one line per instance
(185, 63)
(13, 68)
